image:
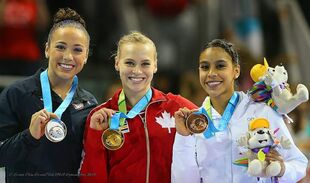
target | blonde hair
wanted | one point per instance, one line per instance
(135, 37)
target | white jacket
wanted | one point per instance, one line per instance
(197, 159)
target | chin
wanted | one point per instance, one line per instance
(213, 92)
(66, 76)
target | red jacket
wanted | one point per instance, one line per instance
(18, 32)
(146, 155)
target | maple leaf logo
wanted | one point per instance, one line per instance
(166, 121)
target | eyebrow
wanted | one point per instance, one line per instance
(62, 42)
(217, 61)
(203, 62)
(130, 59)
(146, 60)
(220, 61)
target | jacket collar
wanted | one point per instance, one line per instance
(79, 96)
(156, 96)
(242, 104)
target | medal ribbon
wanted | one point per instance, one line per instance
(229, 110)
(47, 98)
(118, 119)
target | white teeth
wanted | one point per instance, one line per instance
(213, 83)
(66, 66)
(136, 79)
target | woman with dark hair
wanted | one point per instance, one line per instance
(209, 156)
(42, 117)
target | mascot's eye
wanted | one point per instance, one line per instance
(284, 73)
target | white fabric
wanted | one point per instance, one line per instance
(197, 159)
(2, 175)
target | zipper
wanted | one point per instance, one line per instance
(147, 138)
(231, 152)
(148, 151)
(196, 159)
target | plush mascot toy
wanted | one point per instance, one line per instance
(271, 87)
(259, 140)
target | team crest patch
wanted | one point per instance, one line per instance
(166, 121)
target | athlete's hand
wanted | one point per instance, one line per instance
(100, 119)
(274, 155)
(180, 118)
(38, 123)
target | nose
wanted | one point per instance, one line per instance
(260, 132)
(67, 55)
(212, 72)
(137, 70)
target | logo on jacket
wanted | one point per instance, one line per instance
(166, 121)
(78, 106)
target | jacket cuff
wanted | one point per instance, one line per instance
(29, 139)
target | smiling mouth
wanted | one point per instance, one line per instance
(136, 79)
(66, 66)
(213, 84)
(261, 141)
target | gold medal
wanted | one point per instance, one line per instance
(196, 123)
(112, 139)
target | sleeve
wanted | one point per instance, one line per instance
(15, 145)
(184, 167)
(94, 163)
(183, 102)
(294, 160)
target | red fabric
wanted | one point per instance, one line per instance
(167, 7)
(18, 34)
(129, 163)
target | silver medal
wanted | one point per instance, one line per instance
(55, 130)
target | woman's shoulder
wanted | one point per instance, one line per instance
(111, 103)
(179, 100)
(85, 93)
(246, 102)
(22, 85)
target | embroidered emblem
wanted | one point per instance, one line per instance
(78, 106)
(166, 121)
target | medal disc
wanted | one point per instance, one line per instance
(112, 139)
(55, 130)
(196, 123)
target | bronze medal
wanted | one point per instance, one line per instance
(112, 139)
(196, 123)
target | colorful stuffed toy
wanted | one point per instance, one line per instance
(259, 140)
(271, 87)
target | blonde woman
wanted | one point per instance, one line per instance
(148, 130)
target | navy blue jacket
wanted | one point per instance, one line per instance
(40, 161)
